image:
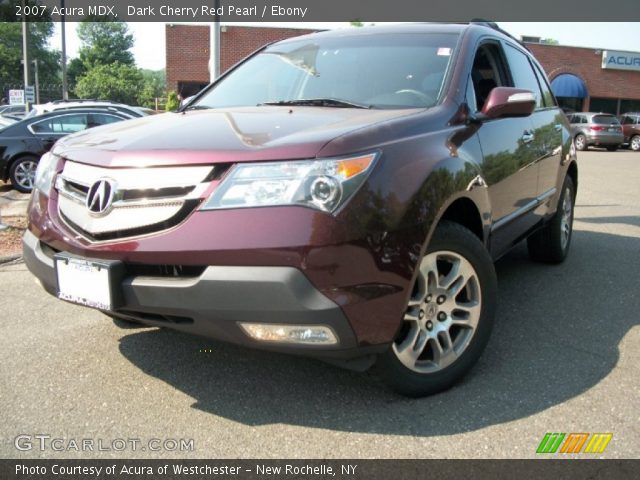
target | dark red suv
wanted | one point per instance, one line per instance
(340, 195)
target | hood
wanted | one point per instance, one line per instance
(218, 136)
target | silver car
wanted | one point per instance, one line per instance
(596, 129)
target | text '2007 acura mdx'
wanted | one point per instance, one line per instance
(340, 195)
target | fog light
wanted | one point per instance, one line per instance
(302, 334)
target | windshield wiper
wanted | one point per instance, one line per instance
(195, 107)
(318, 102)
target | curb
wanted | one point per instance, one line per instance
(10, 258)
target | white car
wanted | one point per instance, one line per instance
(114, 106)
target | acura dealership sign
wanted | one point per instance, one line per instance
(620, 60)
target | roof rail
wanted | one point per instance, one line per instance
(494, 26)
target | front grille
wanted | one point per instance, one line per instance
(134, 202)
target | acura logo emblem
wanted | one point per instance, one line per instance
(100, 196)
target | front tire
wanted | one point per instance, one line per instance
(449, 316)
(634, 144)
(551, 243)
(22, 173)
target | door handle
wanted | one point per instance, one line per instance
(527, 137)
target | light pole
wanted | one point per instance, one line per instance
(214, 45)
(35, 71)
(65, 92)
(25, 55)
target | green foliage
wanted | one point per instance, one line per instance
(75, 70)
(550, 41)
(115, 82)
(105, 43)
(153, 87)
(172, 101)
(11, 70)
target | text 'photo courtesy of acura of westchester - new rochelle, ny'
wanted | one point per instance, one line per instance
(340, 195)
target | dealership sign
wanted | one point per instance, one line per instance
(620, 60)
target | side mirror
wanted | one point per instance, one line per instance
(505, 102)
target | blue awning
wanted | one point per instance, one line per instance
(567, 85)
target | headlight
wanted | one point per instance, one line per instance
(322, 184)
(45, 173)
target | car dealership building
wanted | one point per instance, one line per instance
(583, 79)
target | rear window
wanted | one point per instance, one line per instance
(605, 120)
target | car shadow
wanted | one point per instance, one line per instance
(556, 336)
(623, 220)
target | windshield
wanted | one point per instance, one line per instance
(377, 71)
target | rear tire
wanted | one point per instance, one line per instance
(22, 173)
(449, 316)
(580, 142)
(634, 144)
(551, 243)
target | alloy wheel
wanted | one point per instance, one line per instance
(25, 173)
(565, 221)
(442, 314)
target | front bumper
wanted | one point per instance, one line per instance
(215, 302)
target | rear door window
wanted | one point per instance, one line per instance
(63, 124)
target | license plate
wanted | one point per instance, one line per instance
(87, 282)
(613, 129)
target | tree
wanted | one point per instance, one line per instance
(172, 101)
(115, 82)
(75, 70)
(153, 87)
(105, 43)
(11, 69)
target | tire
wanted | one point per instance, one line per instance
(22, 173)
(551, 243)
(580, 142)
(612, 149)
(443, 334)
(634, 143)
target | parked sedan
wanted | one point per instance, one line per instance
(17, 110)
(23, 143)
(631, 130)
(596, 129)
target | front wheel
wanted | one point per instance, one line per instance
(448, 318)
(551, 243)
(635, 143)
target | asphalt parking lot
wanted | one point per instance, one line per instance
(564, 357)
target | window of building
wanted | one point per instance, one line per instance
(604, 105)
(628, 105)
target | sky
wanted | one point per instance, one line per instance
(149, 52)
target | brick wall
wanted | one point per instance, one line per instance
(188, 48)
(586, 63)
